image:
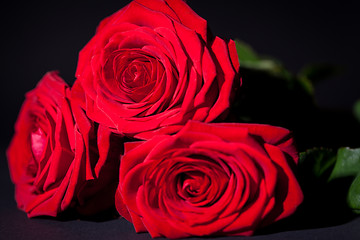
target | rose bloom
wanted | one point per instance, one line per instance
(54, 162)
(154, 64)
(209, 179)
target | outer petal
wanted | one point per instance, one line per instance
(226, 75)
(181, 12)
(289, 194)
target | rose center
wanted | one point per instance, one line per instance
(135, 75)
(191, 184)
(131, 75)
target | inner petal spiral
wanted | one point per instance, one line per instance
(132, 75)
(192, 184)
(137, 74)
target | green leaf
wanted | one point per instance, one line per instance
(347, 163)
(315, 167)
(313, 73)
(307, 85)
(320, 71)
(245, 52)
(318, 162)
(357, 110)
(249, 59)
(354, 195)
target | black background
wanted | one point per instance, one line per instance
(39, 36)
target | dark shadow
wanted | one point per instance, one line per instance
(275, 100)
(323, 206)
(72, 215)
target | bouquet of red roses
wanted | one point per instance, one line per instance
(163, 123)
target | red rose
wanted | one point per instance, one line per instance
(54, 163)
(209, 179)
(153, 64)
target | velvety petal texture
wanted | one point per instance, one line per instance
(56, 162)
(209, 179)
(152, 65)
